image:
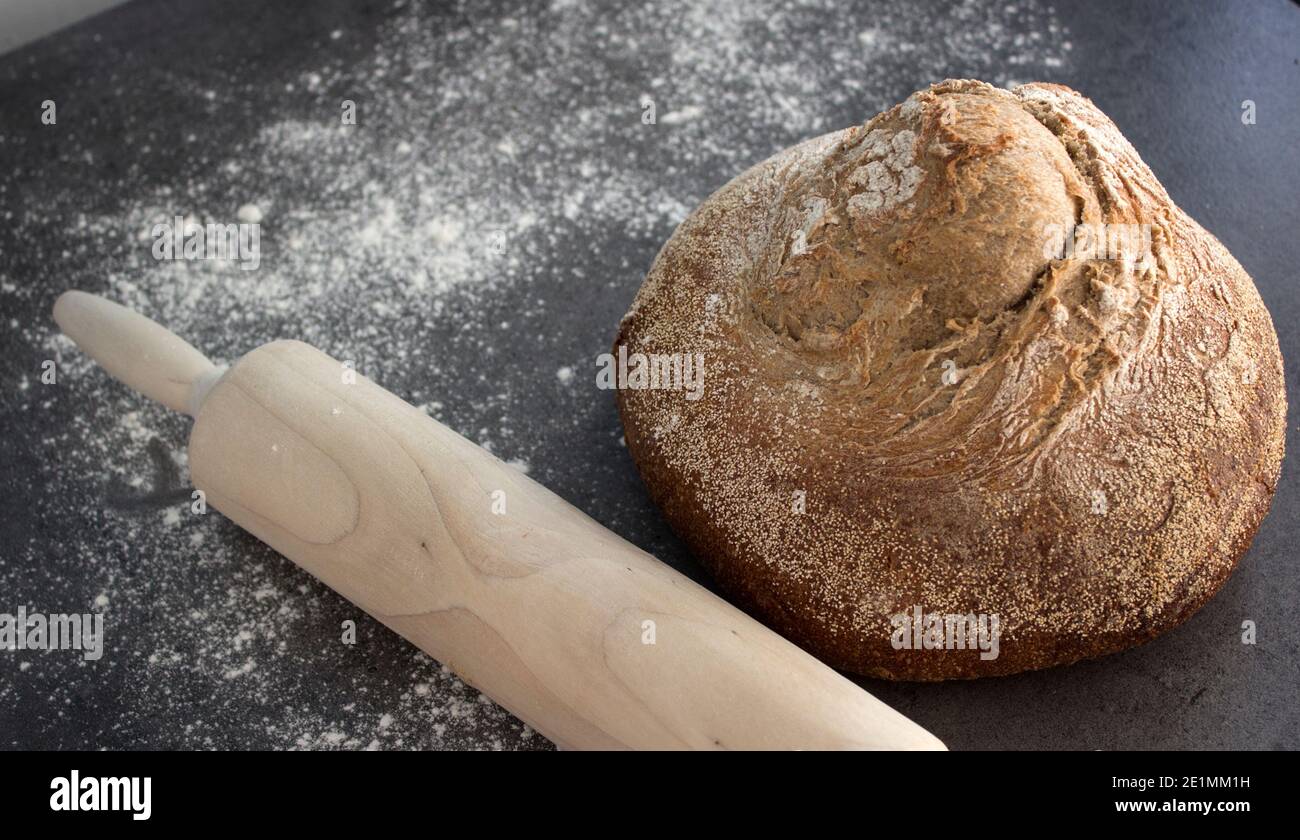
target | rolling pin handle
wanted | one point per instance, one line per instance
(136, 351)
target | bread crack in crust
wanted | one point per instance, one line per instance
(913, 397)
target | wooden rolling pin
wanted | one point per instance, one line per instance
(588, 639)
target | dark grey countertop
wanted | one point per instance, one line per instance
(518, 125)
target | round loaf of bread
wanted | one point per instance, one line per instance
(965, 361)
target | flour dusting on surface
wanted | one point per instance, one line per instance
(470, 244)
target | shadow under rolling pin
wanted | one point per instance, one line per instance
(541, 608)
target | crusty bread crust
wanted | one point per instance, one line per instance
(907, 403)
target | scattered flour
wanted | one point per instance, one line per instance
(499, 178)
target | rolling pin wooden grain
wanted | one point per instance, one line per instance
(539, 607)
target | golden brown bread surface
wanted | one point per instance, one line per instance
(906, 403)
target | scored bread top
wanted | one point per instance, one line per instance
(910, 401)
